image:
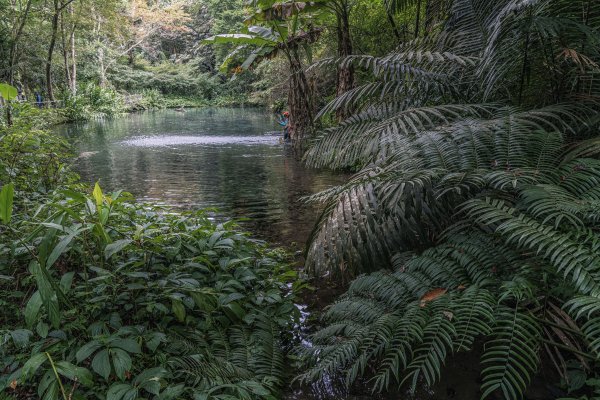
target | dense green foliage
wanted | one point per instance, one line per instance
(102, 297)
(471, 224)
(116, 48)
(477, 195)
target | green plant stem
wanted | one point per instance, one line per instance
(565, 328)
(62, 388)
(569, 349)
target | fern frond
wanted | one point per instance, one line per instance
(510, 357)
(568, 257)
(437, 341)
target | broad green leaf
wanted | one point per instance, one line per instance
(8, 92)
(121, 361)
(53, 310)
(87, 350)
(6, 202)
(149, 380)
(48, 386)
(115, 247)
(21, 337)
(178, 309)
(97, 194)
(100, 232)
(101, 364)
(104, 214)
(59, 249)
(248, 62)
(32, 365)
(66, 281)
(171, 392)
(129, 345)
(72, 372)
(149, 374)
(50, 292)
(58, 227)
(121, 391)
(264, 32)
(42, 329)
(234, 311)
(151, 386)
(32, 309)
(154, 339)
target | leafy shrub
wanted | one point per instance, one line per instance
(35, 160)
(93, 101)
(102, 296)
(152, 98)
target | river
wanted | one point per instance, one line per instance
(229, 159)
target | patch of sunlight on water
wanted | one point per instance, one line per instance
(162, 141)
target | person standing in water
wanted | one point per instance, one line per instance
(284, 120)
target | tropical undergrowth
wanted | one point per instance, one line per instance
(103, 297)
(474, 218)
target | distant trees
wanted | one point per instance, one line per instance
(58, 9)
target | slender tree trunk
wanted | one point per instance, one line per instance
(69, 52)
(392, 22)
(6, 104)
(299, 99)
(345, 74)
(418, 19)
(102, 67)
(525, 65)
(51, 52)
(73, 59)
(12, 56)
(65, 51)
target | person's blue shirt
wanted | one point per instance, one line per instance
(283, 121)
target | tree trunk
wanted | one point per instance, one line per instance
(392, 22)
(12, 56)
(73, 60)
(51, 52)
(418, 19)
(6, 104)
(65, 51)
(299, 100)
(345, 74)
(102, 67)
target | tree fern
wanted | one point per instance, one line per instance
(477, 186)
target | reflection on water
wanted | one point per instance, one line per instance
(226, 158)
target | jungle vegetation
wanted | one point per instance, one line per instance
(473, 217)
(470, 224)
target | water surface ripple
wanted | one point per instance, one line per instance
(225, 158)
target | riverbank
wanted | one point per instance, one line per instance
(105, 296)
(96, 103)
